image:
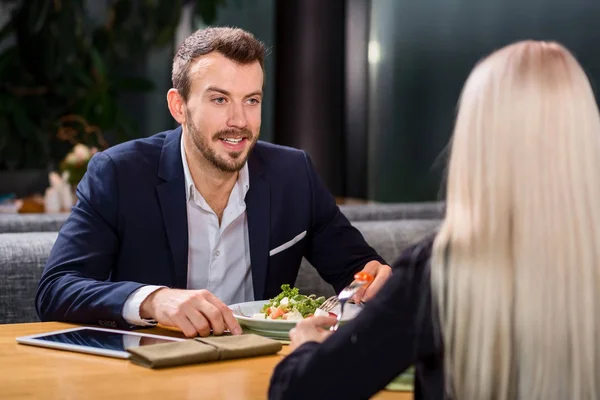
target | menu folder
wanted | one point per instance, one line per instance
(201, 350)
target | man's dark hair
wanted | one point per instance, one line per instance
(234, 43)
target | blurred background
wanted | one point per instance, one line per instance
(367, 87)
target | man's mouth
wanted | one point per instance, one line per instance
(232, 141)
(234, 144)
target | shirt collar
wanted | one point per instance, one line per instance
(243, 181)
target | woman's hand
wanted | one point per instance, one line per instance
(380, 272)
(312, 329)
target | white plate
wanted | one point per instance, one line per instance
(276, 329)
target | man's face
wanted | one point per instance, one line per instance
(223, 110)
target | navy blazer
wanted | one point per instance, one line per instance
(129, 229)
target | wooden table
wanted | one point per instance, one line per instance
(29, 372)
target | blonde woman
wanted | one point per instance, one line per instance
(504, 302)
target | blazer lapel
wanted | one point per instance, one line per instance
(172, 199)
(258, 210)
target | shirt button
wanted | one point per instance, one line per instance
(217, 253)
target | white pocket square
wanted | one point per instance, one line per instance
(287, 245)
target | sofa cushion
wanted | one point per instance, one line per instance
(13, 223)
(391, 238)
(23, 256)
(388, 238)
(363, 212)
(22, 259)
(392, 211)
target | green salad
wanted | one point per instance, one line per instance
(290, 305)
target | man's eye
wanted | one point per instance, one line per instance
(219, 100)
(253, 101)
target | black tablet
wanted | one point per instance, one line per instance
(99, 341)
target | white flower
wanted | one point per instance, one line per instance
(82, 152)
(71, 158)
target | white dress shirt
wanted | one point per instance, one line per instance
(218, 255)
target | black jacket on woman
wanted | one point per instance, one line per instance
(395, 330)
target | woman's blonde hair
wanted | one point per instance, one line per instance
(516, 264)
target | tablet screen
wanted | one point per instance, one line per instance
(116, 341)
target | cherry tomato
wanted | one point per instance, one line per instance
(278, 312)
(364, 276)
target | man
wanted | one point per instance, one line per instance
(173, 227)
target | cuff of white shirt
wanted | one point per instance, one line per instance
(131, 309)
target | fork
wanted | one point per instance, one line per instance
(239, 310)
(330, 303)
(360, 279)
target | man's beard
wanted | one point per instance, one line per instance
(226, 165)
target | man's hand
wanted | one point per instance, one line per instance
(312, 329)
(381, 272)
(195, 312)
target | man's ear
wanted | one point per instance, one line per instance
(176, 105)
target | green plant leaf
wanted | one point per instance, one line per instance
(38, 14)
(68, 65)
(98, 64)
(82, 77)
(102, 111)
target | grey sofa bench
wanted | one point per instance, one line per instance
(22, 259)
(23, 256)
(354, 212)
(388, 238)
(392, 211)
(14, 223)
